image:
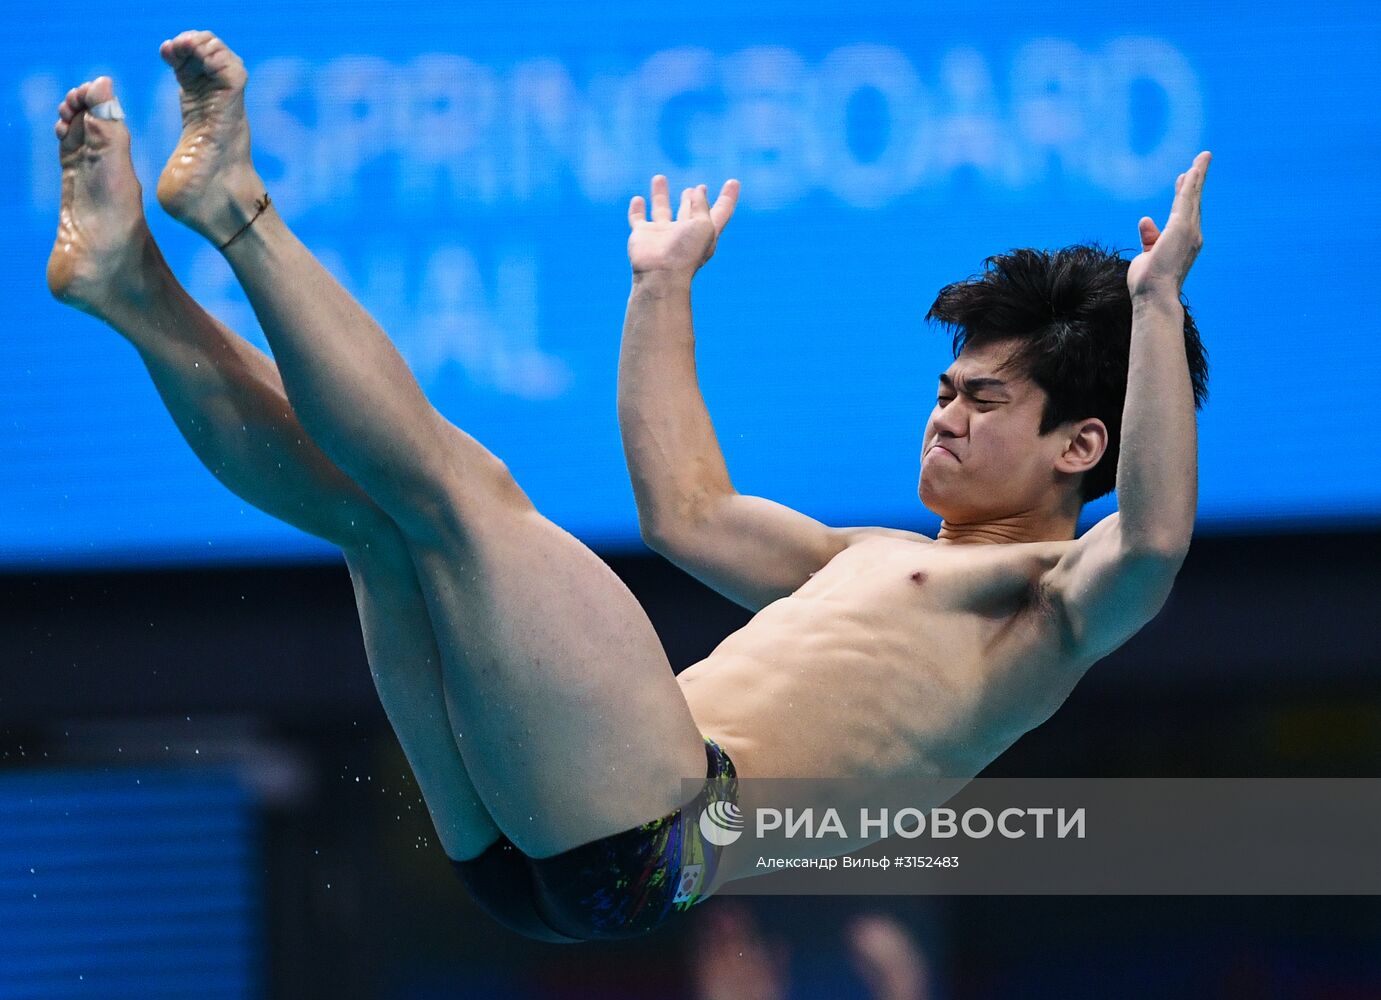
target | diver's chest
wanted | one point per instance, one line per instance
(909, 575)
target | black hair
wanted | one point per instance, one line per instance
(1072, 314)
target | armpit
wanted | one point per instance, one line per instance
(1046, 606)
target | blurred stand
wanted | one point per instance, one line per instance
(734, 957)
(278, 773)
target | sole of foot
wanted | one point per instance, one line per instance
(209, 183)
(102, 237)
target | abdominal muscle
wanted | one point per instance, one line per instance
(797, 694)
(875, 668)
(807, 690)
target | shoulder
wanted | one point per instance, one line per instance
(854, 536)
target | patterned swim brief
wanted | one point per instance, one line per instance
(619, 886)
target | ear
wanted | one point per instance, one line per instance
(1084, 444)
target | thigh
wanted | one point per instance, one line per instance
(406, 668)
(572, 724)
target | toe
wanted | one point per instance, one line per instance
(72, 133)
(189, 45)
(101, 90)
(210, 47)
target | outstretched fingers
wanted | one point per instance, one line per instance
(699, 207)
(1189, 187)
(661, 202)
(694, 204)
(723, 209)
(1185, 207)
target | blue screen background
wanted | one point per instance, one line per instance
(465, 172)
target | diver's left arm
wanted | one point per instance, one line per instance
(1117, 576)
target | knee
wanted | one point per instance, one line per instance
(377, 545)
(472, 493)
(496, 486)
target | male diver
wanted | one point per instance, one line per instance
(528, 689)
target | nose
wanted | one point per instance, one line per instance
(950, 420)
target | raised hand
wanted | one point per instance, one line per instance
(1167, 255)
(685, 244)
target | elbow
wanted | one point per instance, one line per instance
(1157, 535)
(659, 533)
(654, 538)
(1165, 549)
(653, 517)
(650, 524)
(668, 524)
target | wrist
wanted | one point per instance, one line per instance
(661, 283)
(1156, 303)
(1157, 297)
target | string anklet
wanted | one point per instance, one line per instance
(261, 204)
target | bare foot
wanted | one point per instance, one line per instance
(209, 183)
(103, 241)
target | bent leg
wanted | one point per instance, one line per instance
(567, 713)
(573, 724)
(227, 400)
(406, 668)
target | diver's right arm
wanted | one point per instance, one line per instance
(749, 549)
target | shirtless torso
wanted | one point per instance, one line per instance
(898, 659)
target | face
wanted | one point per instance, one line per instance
(983, 456)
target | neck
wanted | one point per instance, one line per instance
(1028, 526)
